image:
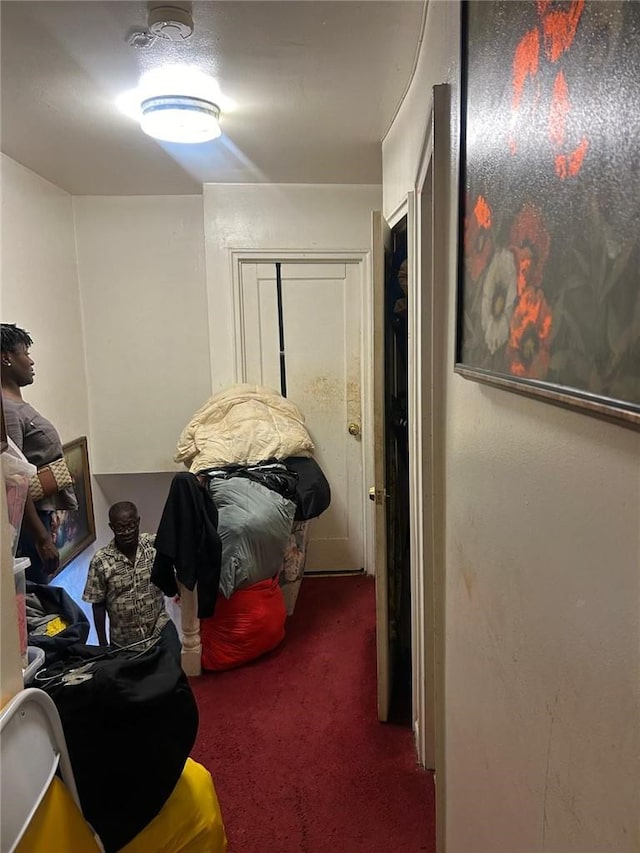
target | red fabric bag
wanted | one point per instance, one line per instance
(243, 627)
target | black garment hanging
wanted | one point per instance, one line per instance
(188, 546)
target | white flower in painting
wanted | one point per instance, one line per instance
(499, 295)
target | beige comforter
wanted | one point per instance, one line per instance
(243, 425)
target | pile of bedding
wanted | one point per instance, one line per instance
(250, 449)
(243, 425)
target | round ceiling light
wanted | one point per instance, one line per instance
(180, 118)
(191, 111)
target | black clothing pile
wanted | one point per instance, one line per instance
(130, 721)
(46, 603)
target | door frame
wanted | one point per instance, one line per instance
(239, 257)
(421, 508)
(428, 223)
(426, 209)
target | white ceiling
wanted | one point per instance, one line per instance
(317, 84)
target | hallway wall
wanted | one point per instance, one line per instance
(542, 582)
(40, 293)
(107, 340)
(142, 281)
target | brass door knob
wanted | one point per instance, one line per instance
(379, 496)
(354, 428)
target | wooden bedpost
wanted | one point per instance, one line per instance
(191, 647)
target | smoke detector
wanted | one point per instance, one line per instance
(170, 23)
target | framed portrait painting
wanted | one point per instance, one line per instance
(548, 300)
(73, 530)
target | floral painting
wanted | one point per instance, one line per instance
(549, 269)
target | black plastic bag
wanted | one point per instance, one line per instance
(313, 490)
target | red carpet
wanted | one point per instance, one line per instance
(298, 758)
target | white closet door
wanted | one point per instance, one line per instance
(322, 336)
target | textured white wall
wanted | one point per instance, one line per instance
(40, 293)
(542, 586)
(142, 280)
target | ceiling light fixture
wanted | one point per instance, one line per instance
(180, 118)
(177, 104)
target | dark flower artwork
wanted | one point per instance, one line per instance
(549, 269)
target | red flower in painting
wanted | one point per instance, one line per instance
(559, 24)
(478, 243)
(530, 241)
(530, 335)
(543, 6)
(569, 165)
(544, 44)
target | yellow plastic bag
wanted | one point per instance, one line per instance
(189, 822)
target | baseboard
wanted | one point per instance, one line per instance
(336, 573)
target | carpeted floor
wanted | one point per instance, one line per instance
(299, 760)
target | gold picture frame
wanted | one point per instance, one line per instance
(73, 530)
